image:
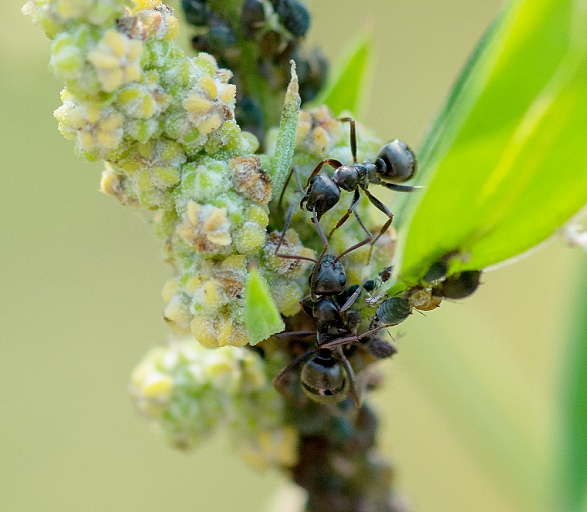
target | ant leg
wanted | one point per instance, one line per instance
(356, 337)
(293, 170)
(351, 121)
(285, 227)
(350, 210)
(384, 209)
(320, 232)
(279, 381)
(321, 257)
(351, 300)
(282, 238)
(341, 358)
(294, 334)
(362, 242)
(335, 164)
(400, 188)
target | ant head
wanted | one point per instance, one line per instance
(322, 194)
(396, 162)
(328, 277)
(324, 379)
(346, 177)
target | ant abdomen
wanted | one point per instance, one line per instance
(396, 162)
(323, 378)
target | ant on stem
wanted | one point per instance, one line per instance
(394, 164)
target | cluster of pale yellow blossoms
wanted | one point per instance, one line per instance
(187, 391)
(163, 123)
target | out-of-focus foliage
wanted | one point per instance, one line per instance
(504, 164)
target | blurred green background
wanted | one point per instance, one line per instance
(80, 304)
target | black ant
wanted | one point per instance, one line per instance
(396, 162)
(327, 375)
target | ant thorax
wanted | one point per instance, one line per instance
(348, 177)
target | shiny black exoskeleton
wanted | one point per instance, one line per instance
(327, 375)
(394, 164)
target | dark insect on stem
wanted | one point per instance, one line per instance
(394, 164)
(327, 375)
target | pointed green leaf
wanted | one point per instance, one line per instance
(346, 90)
(504, 165)
(262, 317)
(286, 139)
(573, 416)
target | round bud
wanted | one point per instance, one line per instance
(293, 15)
(196, 12)
(396, 162)
(252, 18)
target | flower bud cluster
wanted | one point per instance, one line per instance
(187, 392)
(261, 41)
(164, 125)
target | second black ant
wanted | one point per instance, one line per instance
(326, 375)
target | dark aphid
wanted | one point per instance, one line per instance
(252, 18)
(380, 348)
(249, 115)
(395, 163)
(269, 44)
(460, 286)
(312, 75)
(372, 285)
(393, 311)
(436, 272)
(196, 12)
(221, 36)
(293, 16)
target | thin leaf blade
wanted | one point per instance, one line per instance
(572, 455)
(503, 168)
(262, 318)
(346, 89)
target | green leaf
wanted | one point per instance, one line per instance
(504, 164)
(572, 456)
(346, 90)
(286, 139)
(262, 317)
